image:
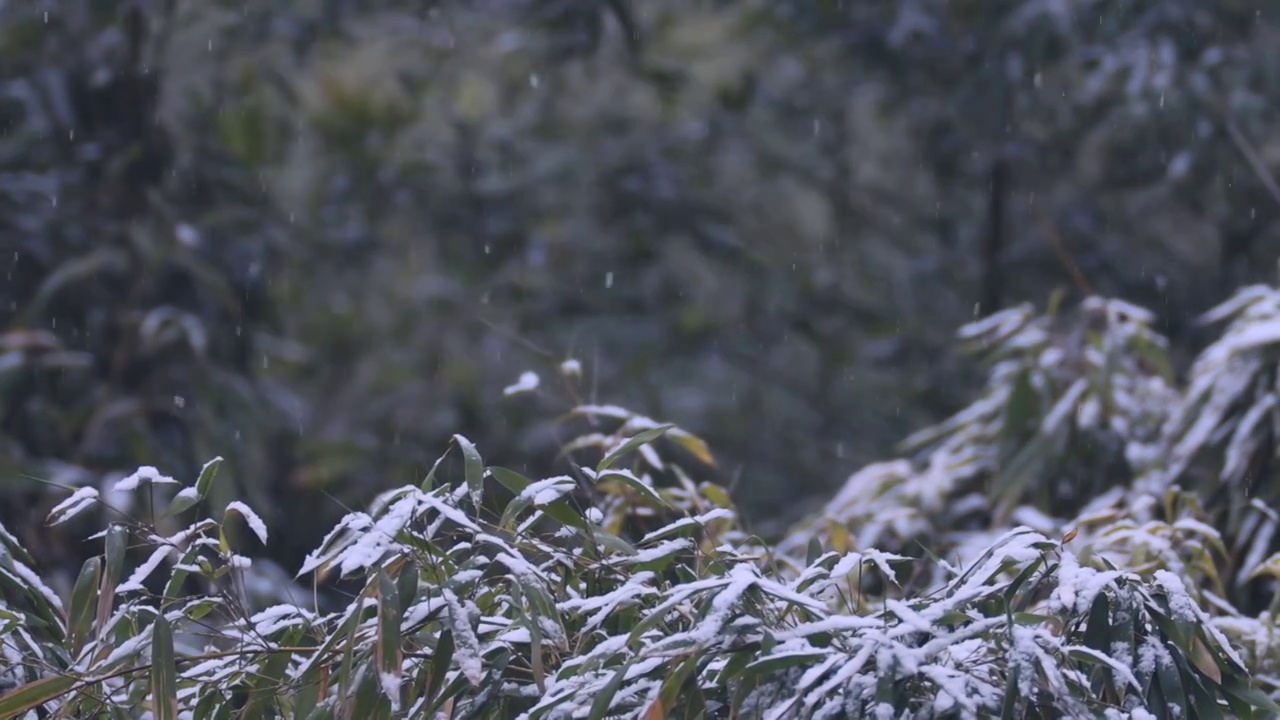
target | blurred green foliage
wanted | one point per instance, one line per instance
(318, 237)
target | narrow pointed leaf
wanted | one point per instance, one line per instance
(205, 482)
(474, 470)
(164, 671)
(641, 438)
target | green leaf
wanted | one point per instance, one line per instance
(429, 482)
(614, 543)
(407, 585)
(510, 479)
(212, 705)
(181, 503)
(511, 515)
(630, 481)
(739, 658)
(441, 660)
(813, 552)
(311, 670)
(1009, 708)
(641, 438)
(772, 665)
(323, 712)
(116, 546)
(1169, 679)
(173, 588)
(164, 671)
(474, 470)
(207, 474)
(8, 621)
(600, 707)
(369, 703)
(559, 509)
(34, 694)
(84, 600)
(1247, 695)
(1097, 634)
(1026, 618)
(674, 684)
(269, 679)
(389, 654)
(1011, 602)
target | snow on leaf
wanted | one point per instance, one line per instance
(998, 324)
(1245, 438)
(373, 543)
(391, 683)
(663, 549)
(32, 580)
(684, 523)
(251, 518)
(467, 651)
(1122, 671)
(635, 590)
(143, 474)
(543, 492)
(124, 651)
(610, 411)
(139, 576)
(1243, 298)
(78, 501)
(528, 382)
(571, 368)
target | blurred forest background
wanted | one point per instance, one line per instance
(317, 237)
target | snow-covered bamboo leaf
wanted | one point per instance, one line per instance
(144, 474)
(144, 571)
(473, 467)
(80, 500)
(183, 501)
(251, 518)
(602, 704)
(467, 651)
(204, 482)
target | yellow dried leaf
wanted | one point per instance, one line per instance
(695, 445)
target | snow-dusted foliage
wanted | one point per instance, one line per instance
(1079, 398)
(1044, 553)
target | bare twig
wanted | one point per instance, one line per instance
(1061, 251)
(1251, 156)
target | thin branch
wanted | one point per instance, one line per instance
(1062, 252)
(1251, 156)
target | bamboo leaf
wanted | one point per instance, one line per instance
(164, 671)
(474, 467)
(389, 654)
(643, 437)
(207, 474)
(34, 694)
(84, 600)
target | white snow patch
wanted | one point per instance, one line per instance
(528, 382)
(146, 473)
(78, 501)
(255, 523)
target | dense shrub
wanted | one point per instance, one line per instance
(989, 573)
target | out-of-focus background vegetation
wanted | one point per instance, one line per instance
(318, 237)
